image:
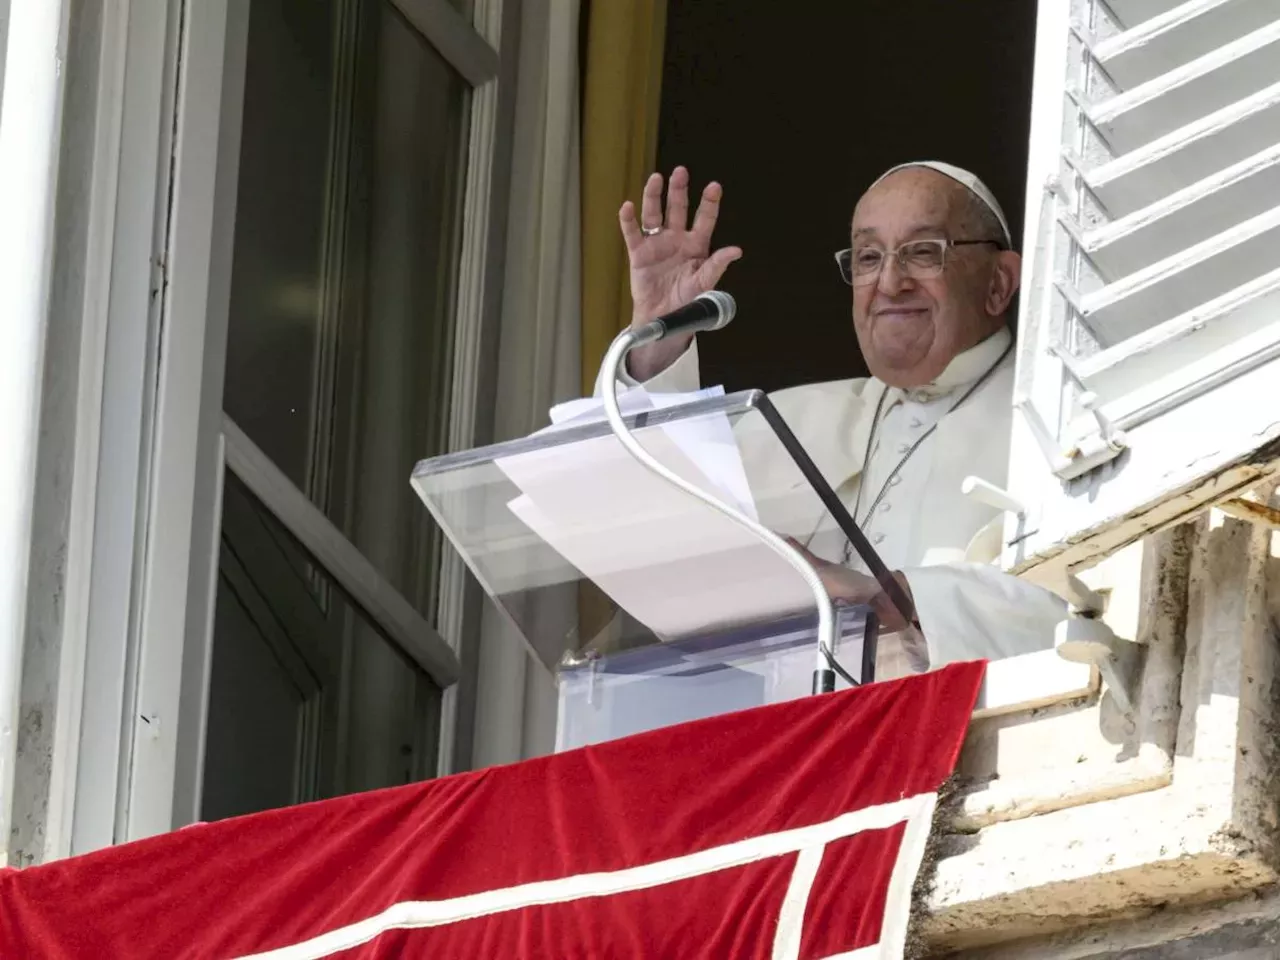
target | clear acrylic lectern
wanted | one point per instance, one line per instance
(650, 607)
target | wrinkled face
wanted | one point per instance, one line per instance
(910, 328)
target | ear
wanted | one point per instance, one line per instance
(1006, 274)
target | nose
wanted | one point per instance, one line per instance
(891, 280)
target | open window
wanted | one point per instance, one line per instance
(966, 109)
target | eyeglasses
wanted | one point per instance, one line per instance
(918, 259)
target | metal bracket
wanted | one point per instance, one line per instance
(1107, 443)
(1082, 600)
(1085, 639)
(1088, 454)
(978, 489)
(1112, 436)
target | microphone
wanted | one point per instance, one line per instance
(708, 311)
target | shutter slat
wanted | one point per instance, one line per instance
(1176, 36)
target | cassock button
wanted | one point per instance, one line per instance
(904, 447)
(895, 479)
(884, 508)
(878, 538)
(916, 422)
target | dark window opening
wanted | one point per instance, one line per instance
(796, 109)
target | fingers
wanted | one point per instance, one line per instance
(631, 234)
(704, 221)
(714, 266)
(678, 199)
(651, 202)
(677, 216)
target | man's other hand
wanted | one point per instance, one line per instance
(673, 266)
(850, 586)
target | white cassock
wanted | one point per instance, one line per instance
(904, 492)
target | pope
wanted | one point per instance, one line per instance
(933, 272)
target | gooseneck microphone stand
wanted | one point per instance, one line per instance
(824, 677)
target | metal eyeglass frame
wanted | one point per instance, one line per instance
(844, 260)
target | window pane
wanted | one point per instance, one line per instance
(396, 405)
(345, 266)
(277, 325)
(307, 700)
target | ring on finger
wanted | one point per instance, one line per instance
(650, 231)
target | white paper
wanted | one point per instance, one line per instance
(671, 562)
(708, 441)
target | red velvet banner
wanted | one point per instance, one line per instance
(794, 830)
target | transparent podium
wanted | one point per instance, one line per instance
(648, 606)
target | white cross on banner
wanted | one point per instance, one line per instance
(789, 831)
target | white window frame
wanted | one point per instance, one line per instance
(151, 443)
(129, 178)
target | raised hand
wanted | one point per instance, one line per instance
(672, 266)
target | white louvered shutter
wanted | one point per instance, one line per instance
(1149, 353)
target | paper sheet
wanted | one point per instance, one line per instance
(708, 441)
(673, 563)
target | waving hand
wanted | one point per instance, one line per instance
(671, 263)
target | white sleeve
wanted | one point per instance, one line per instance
(681, 377)
(971, 611)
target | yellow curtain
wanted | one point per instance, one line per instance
(622, 87)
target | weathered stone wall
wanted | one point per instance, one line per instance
(1247, 929)
(1161, 842)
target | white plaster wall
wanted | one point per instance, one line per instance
(42, 659)
(4, 41)
(1090, 847)
(1246, 929)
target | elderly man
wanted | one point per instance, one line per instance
(933, 275)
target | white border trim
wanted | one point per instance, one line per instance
(786, 942)
(897, 909)
(808, 841)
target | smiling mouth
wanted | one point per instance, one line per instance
(893, 312)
